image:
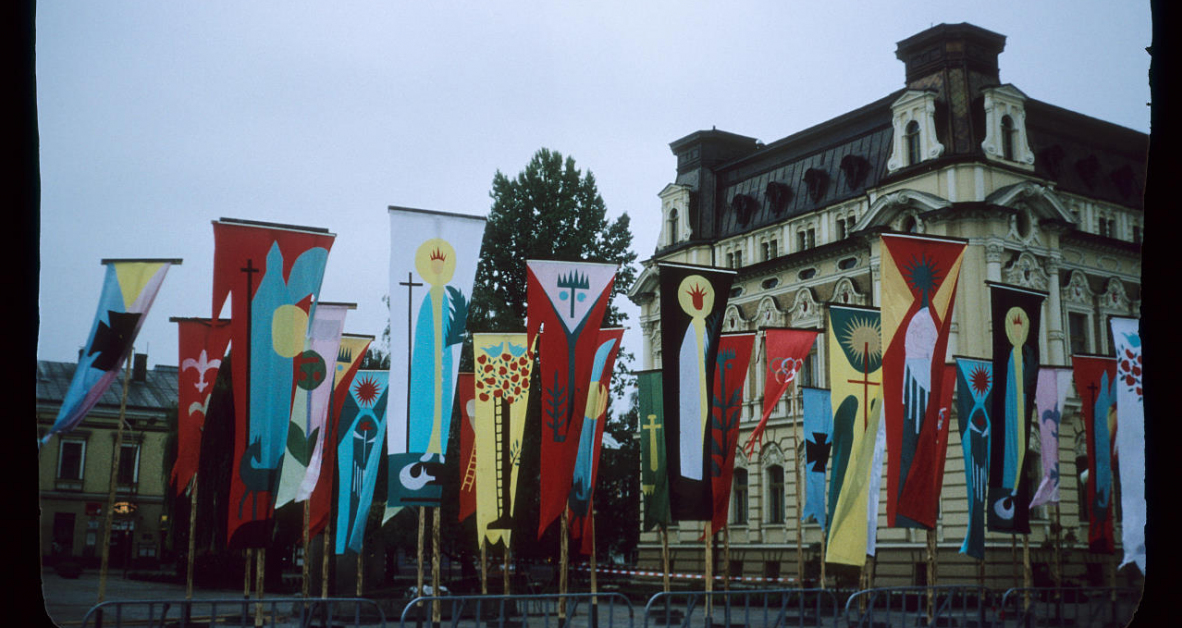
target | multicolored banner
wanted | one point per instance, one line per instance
(974, 380)
(1095, 383)
(726, 408)
(359, 454)
(129, 288)
(944, 421)
(693, 299)
(568, 300)
(466, 400)
(919, 278)
(309, 405)
(202, 345)
(274, 273)
(582, 493)
(786, 352)
(504, 366)
(654, 477)
(1016, 315)
(855, 375)
(1053, 384)
(349, 357)
(1130, 438)
(818, 441)
(433, 258)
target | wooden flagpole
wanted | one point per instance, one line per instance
(325, 545)
(562, 563)
(109, 515)
(435, 605)
(260, 556)
(483, 566)
(246, 576)
(594, 581)
(192, 540)
(665, 556)
(422, 528)
(505, 571)
(709, 575)
(307, 550)
(799, 507)
(933, 578)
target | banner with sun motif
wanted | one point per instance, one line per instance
(466, 401)
(1095, 383)
(1016, 315)
(582, 493)
(274, 273)
(786, 352)
(202, 345)
(433, 258)
(129, 288)
(974, 403)
(359, 455)
(1130, 438)
(818, 441)
(504, 366)
(919, 279)
(855, 377)
(349, 357)
(693, 299)
(568, 300)
(654, 477)
(309, 404)
(1053, 384)
(726, 408)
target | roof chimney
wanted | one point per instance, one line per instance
(139, 367)
(951, 46)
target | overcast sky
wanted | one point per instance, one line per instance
(157, 118)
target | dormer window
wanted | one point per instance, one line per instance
(914, 121)
(1005, 127)
(673, 223)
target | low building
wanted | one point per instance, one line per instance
(1046, 198)
(75, 467)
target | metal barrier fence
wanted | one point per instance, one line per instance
(1076, 607)
(607, 610)
(275, 612)
(962, 606)
(758, 608)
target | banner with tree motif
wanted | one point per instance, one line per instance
(1053, 384)
(350, 355)
(582, 493)
(466, 400)
(818, 441)
(566, 300)
(1016, 315)
(1095, 383)
(1130, 438)
(309, 404)
(786, 352)
(359, 455)
(129, 288)
(433, 258)
(504, 366)
(274, 273)
(726, 408)
(693, 299)
(855, 377)
(654, 477)
(974, 380)
(202, 345)
(919, 279)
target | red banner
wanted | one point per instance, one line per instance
(466, 400)
(786, 352)
(202, 347)
(730, 373)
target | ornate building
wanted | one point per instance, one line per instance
(75, 467)
(1046, 198)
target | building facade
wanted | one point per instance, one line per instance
(1047, 198)
(75, 467)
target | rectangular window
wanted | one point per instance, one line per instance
(739, 498)
(775, 248)
(766, 251)
(801, 241)
(1077, 325)
(808, 370)
(812, 238)
(129, 465)
(71, 459)
(730, 260)
(775, 494)
(1136, 234)
(738, 259)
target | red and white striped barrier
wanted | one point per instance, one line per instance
(680, 576)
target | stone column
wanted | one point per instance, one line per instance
(993, 253)
(1055, 311)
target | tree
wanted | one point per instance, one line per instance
(549, 211)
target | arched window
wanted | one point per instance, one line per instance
(1007, 137)
(673, 225)
(910, 225)
(774, 494)
(739, 497)
(912, 138)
